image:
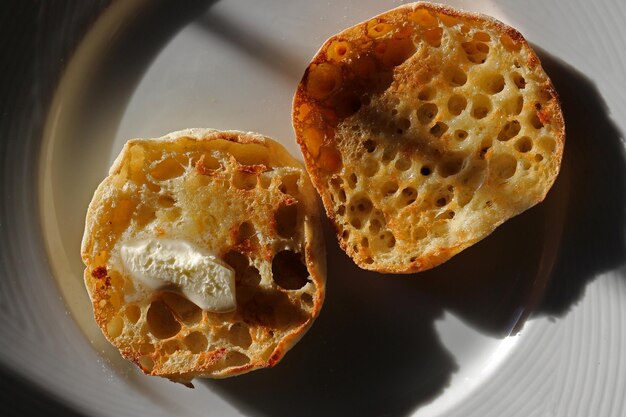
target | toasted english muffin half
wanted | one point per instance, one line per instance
(204, 253)
(423, 129)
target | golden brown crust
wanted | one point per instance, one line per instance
(238, 195)
(423, 129)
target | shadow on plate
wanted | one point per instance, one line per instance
(20, 397)
(593, 238)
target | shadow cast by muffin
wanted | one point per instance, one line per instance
(593, 238)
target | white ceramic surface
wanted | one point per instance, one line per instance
(443, 343)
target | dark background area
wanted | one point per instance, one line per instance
(37, 39)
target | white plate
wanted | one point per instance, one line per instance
(444, 343)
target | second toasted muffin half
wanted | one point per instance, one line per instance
(423, 129)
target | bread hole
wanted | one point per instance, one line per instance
(313, 139)
(273, 309)
(166, 201)
(376, 28)
(234, 358)
(404, 123)
(408, 196)
(120, 216)
(481, 106)
(482, 36)
(526, 165)
(245, 154)
(456, 104)
(353, 179)
(167, 169)
(251, 277)
(336, 182)
(244, 180)
(307, 299)
(183, 309)
(518, 80)
(509, 130)
(173, 214)
(289, 184)
(161, 321)
(265, 180)
(433, 36)
(524, 144)
(485, 145)
(388, 239)
(418, 233)
(425, 170)
(341, 210)
(493, 83)
(423, 18)
(172, 346)
(403, 164)
(137, 160)
(238, 262)
(455, 76)
(547, 143)
(460, 135)
(482, 48)
(133, 313)
(375, 226)
(503, 166)
(388, 154)
(370, 145)
(509, 44)
(146, 363)
(441, 202)
(370, 167)
(345, 235)
(427, 112)
(245, 232)
(338, 50)
(363, 205)
(538, 157)
(146, 348)
(346, 104)
(342, 195)
(450, 165)
(398, 51)
(196, 342)
(356, 222)
(369, 260)
(286, 218)
(535, 121)
(239, 335)
(207, 162)
(145, 215)
(289, 271)
(426, 93)
(438, 129)
(365, 242)
(475, 51)
(322, 80)
(115, 327)
(448, 20)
